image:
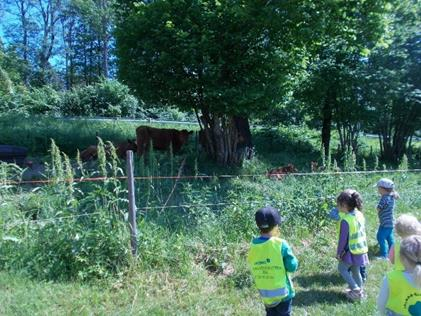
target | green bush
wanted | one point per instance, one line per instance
(108, 98)
(6, 85)
(44, 100)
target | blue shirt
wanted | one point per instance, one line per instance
(386, 208)
(334, 214)
(290, 263)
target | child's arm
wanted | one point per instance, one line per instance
(290, 261)
(382, 204)
(383, 297)
(392, 254)
(343, 240)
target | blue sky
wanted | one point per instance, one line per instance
(5, 19)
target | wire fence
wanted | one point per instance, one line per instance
(199, 177)
(145, 208)
(176, 122)
(178, 177)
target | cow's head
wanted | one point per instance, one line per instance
(131, 144)
(183, 136)
(290, 168)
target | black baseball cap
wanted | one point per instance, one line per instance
(267, 217)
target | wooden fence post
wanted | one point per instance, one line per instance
(132, 204)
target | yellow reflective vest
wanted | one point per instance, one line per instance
(404, 298)
(268, 270)
(398, 265)
(357, 239)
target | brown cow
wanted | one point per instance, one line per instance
(123, 147)
(161, 138)
(279, 173)
(91, 153)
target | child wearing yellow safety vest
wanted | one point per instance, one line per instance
(271, 260)
(352, 242)
(400, 293)
(406, 225)
(335, 215)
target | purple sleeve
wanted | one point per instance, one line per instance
(343, 238)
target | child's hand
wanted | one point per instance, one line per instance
(339, 257)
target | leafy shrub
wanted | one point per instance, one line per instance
(108, 98)
(65, 230)
(44, 100)
(6, 85)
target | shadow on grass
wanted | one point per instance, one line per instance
(321, 279)
(311, 297)
(373, 251)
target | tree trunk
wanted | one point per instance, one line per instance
(327, 114)
(226, 138)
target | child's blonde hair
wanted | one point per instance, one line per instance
(392, 192)
(411, 256)
(407, 225)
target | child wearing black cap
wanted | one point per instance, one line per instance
(271, 260)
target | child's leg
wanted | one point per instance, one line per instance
(356, 275)
(381, 238)
(282, 309)
(363, 273)
(343, 270)
(390, 240)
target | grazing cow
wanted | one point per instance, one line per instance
(122, 148)
(91, 153)
(279, 173)
(161, 138)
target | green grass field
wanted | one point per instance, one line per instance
(191, 257)
(181, 269)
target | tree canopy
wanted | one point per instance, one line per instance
(227, 58)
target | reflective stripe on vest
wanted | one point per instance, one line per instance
(268, 270)
(274, 293)
(404, 298)
(357, 239)
(398, 265)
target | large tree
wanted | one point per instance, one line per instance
(332, 93)
(331, 90)
(230, 58)
(224, 59)
(393, 85)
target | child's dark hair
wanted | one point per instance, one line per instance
(266, 230)
(350, 198)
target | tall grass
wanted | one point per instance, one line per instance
(192, 252)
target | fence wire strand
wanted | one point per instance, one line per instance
(199, 177)
(145, 208)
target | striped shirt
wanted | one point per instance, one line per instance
(386, 208)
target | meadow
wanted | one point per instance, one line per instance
(64, 247)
